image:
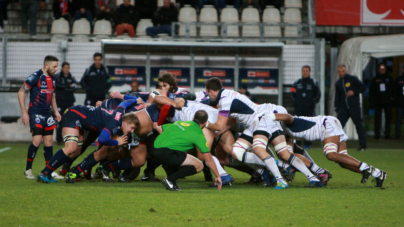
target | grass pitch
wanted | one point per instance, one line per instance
(344, 202)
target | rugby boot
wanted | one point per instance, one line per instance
(366, 174)
(380, 179)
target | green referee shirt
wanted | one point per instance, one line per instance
(182, 136)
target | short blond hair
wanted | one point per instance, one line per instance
(131, 118)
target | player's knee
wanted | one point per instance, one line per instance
(280, 148)
(198, 166)
(330, 151)
(70, 143)
(239, 148)
(259, 143)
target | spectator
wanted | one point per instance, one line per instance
(83, 9)
(61, 9)
(96, 81)
(65, 87)
(163, 18)
(134, 86)
(305, 94)
(104, 9)
(32, 5)
(219, 4)
(399, 97)
(146, 8)
(381, 96)
(126, 19)
(347, 102)
(243, 90)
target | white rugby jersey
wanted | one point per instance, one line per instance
(238, 106)
(187, 112)
(325, 126)
(201, 96)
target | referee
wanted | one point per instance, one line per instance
(174, 141)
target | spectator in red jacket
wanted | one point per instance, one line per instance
(126, 19)
(61, 9)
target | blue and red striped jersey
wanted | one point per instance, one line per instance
(41, 92)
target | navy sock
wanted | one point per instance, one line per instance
(87, 163)
(56, 161)
(125, 163)
(31, 155)
(48, 153)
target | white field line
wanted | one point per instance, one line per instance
(5, 149)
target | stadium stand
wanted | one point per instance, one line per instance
(208, 14)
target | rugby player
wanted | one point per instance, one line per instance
(40, 85)
(77, 118)
(328, 129)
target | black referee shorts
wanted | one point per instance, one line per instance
(167, 156)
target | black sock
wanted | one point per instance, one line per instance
(182, 172)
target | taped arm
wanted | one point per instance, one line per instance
(105, 139)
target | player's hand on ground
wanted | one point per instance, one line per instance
(180, 102)
(139, 101)
(218, 183)
(116, 95)
(25, 118)
(123, 140)
(57, 116)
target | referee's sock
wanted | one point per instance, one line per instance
(125, 163)
(31, 155)
(184, 171)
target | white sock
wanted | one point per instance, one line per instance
(363, 166)
(218, 166)
(299, 165)
(316, 169)
(251, 158)
(282, 164)
(376, 173)
(271, 166)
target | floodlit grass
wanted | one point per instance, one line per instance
(344, 202)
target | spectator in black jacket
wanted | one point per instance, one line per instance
(65, 87)
(146, 8)
(305, 94)
(104, 9)
(381, 97)
(96, 81)
(399, 98)
(126, 19)
(347, 102)
(163, 19)
(83, 9)
(61, 9)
